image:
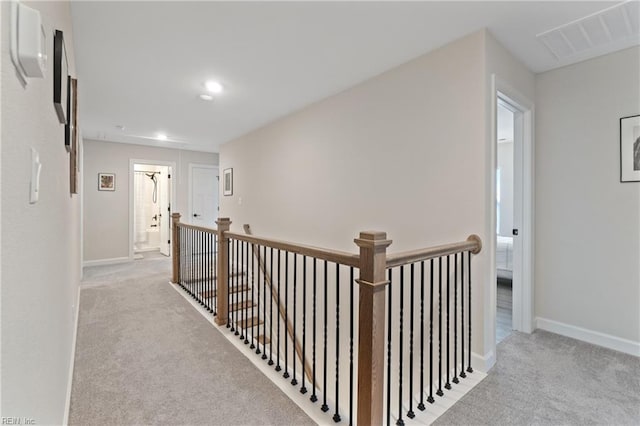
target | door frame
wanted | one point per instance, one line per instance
(523, 297)
(190, 197)
(172, 198)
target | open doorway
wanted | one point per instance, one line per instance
(504, 219)
(150, 204)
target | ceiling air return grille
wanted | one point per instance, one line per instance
(617, 25)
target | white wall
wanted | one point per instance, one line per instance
(588, 223)
(404, 152)
(40, 242)
(106, 214)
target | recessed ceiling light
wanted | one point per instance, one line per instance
(161, 136)
(206, 97)
(214, 87)
(120, 127)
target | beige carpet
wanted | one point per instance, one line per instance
(547, 379)
(145, 356)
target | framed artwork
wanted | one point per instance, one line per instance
(68, 128)
(106, 181)
(75, 140)
(227, 182)
(630, 149)
(60, 76)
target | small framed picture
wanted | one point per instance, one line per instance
(60, 76)
(630, 149)
(227, 182)
(68, 128)
(106, 181)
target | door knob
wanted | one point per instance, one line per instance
(196, 215)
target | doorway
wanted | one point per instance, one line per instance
(203, 195)
(151, 195)
(505, 230)
(512, 275)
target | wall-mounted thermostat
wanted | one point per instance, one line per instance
(28, 41)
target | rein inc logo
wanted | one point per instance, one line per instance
(17, 421)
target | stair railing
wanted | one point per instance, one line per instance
(320, 283)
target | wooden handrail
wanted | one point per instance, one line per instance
(335, 256)
(472, 244)
(274, 296)
(197, 228)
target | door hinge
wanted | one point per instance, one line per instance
(168, 241)
(168, 176)
(515, 232)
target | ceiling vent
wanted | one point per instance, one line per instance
(617, 25)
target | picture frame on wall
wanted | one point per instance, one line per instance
(75, 140)
(106, 181)
(227, 182)
(60, 76)
(68, 128)
(630, 148)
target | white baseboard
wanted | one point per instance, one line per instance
(483, 363)
(595, 337)
(72, 361)
(102, 262)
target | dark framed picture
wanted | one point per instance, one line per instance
(60, 76)
(630, 149)
(73, 119)
(68, 128)
(106, 181)
(227, 182)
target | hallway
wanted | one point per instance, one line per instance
(145, 356)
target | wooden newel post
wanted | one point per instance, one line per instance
(372, 281)
(222, 274)
(175, 247)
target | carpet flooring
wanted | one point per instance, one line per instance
(145, 356)
(547, 379)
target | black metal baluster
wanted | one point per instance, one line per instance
(229, 299)
(410, 413)
(257, 340)
(240, 289)
(430, 398)
(421, 406)
(462, 373)
(278, 368)
(207, 267)
(400, 422)
(271, 308)
(389, 317)
(234, 288)
(293, 339)
(469, 369)
(245, 291)
(201, 280)
(336, 416)
(264, 304)
(439, 391)
(215, 273)
(303, 388)
(255, 320)
(448, 385)
(351, 345)
(314, 397)
(286, 314)
(325, 407)
(455, 319)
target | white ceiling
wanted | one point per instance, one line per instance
(142, 65)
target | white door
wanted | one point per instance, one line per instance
(164, 222)
(203, 208)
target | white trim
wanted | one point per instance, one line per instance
(174, 173)
(72, 361)
(483, 363)
(590, 336)
(190, 185)
(103, 262)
